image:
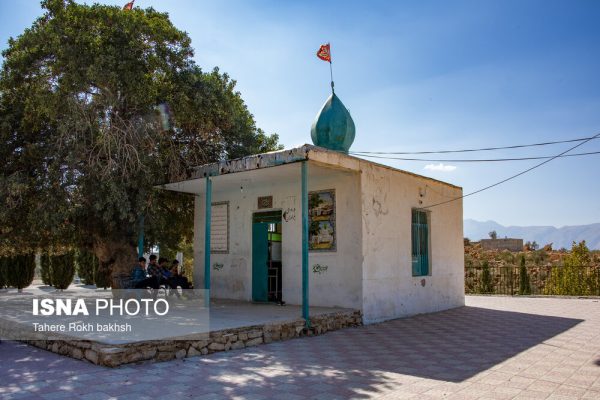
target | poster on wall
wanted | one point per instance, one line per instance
(321, 220)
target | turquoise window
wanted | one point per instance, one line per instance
(420, 243)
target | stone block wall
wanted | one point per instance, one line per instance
(113, 355)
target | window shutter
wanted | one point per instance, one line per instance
(420, 243)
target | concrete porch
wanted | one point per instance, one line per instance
(225, 325)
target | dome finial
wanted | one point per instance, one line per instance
(333, 127)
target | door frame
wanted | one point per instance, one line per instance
(260, 222)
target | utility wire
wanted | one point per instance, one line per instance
(516, 175)
(482, 149)
(474, 159)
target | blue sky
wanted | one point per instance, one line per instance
(418, 76)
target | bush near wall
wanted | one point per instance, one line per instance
(20, 271)
(87, 266)
(63, 270)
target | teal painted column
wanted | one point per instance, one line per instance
(305, 313)
(141, 238)
(207, 220)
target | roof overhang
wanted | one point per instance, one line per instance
(307, 152)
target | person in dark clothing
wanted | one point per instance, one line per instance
(176, 280)
(164, 271)
(153, 268)
(153, 274)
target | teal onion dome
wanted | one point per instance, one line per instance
(333, 128)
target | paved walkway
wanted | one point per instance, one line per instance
(495, 348)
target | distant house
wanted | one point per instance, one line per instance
(502, 244)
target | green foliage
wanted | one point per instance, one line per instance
(573, 279)
(487, 282)
(63, 270)
(87, 266)
(45, 269)
(508, 257)
(524, 285)
(538, 256)
(493, 235)
(20, 270)
(97, 106)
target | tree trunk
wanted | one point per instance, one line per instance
(115, 257)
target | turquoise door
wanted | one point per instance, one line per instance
(260, 257)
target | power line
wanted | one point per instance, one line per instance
(473, 160)
(482, 149)
(514, 176)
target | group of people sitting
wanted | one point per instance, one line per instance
(157, 274)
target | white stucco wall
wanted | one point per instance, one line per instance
(339, 286)
(389, 289)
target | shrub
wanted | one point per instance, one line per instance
(569, 279)
(524, 285)
(87, 265)
(487, 284)
(63, 270)
(20, 270)
(45, 269)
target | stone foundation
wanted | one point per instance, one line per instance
(113, 355)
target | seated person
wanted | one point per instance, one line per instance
(176, 280)
(153, 274)
(138, 273)
(165, 274)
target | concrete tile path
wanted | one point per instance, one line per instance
(495, 348)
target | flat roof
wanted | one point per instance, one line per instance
(281, 157)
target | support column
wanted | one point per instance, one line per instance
(305, 313)
(207, 220)
(141, 238)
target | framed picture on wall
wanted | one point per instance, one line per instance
(321, 220)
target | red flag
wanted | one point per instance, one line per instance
(128, 6)
(324, 52)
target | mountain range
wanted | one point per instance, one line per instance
(559, 237)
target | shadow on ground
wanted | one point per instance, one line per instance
(453, 346)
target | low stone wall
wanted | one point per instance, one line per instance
(111, 355)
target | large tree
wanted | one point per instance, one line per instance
(97, 106)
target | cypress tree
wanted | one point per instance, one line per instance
(45, 268)
(3, 277)
(487, 284)
(524, 285)
(20, 271)
(87, 265)
(63, 270)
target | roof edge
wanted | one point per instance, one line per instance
(281, 157)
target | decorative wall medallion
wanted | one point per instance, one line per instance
(265, 202)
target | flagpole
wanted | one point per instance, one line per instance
(331, 70)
